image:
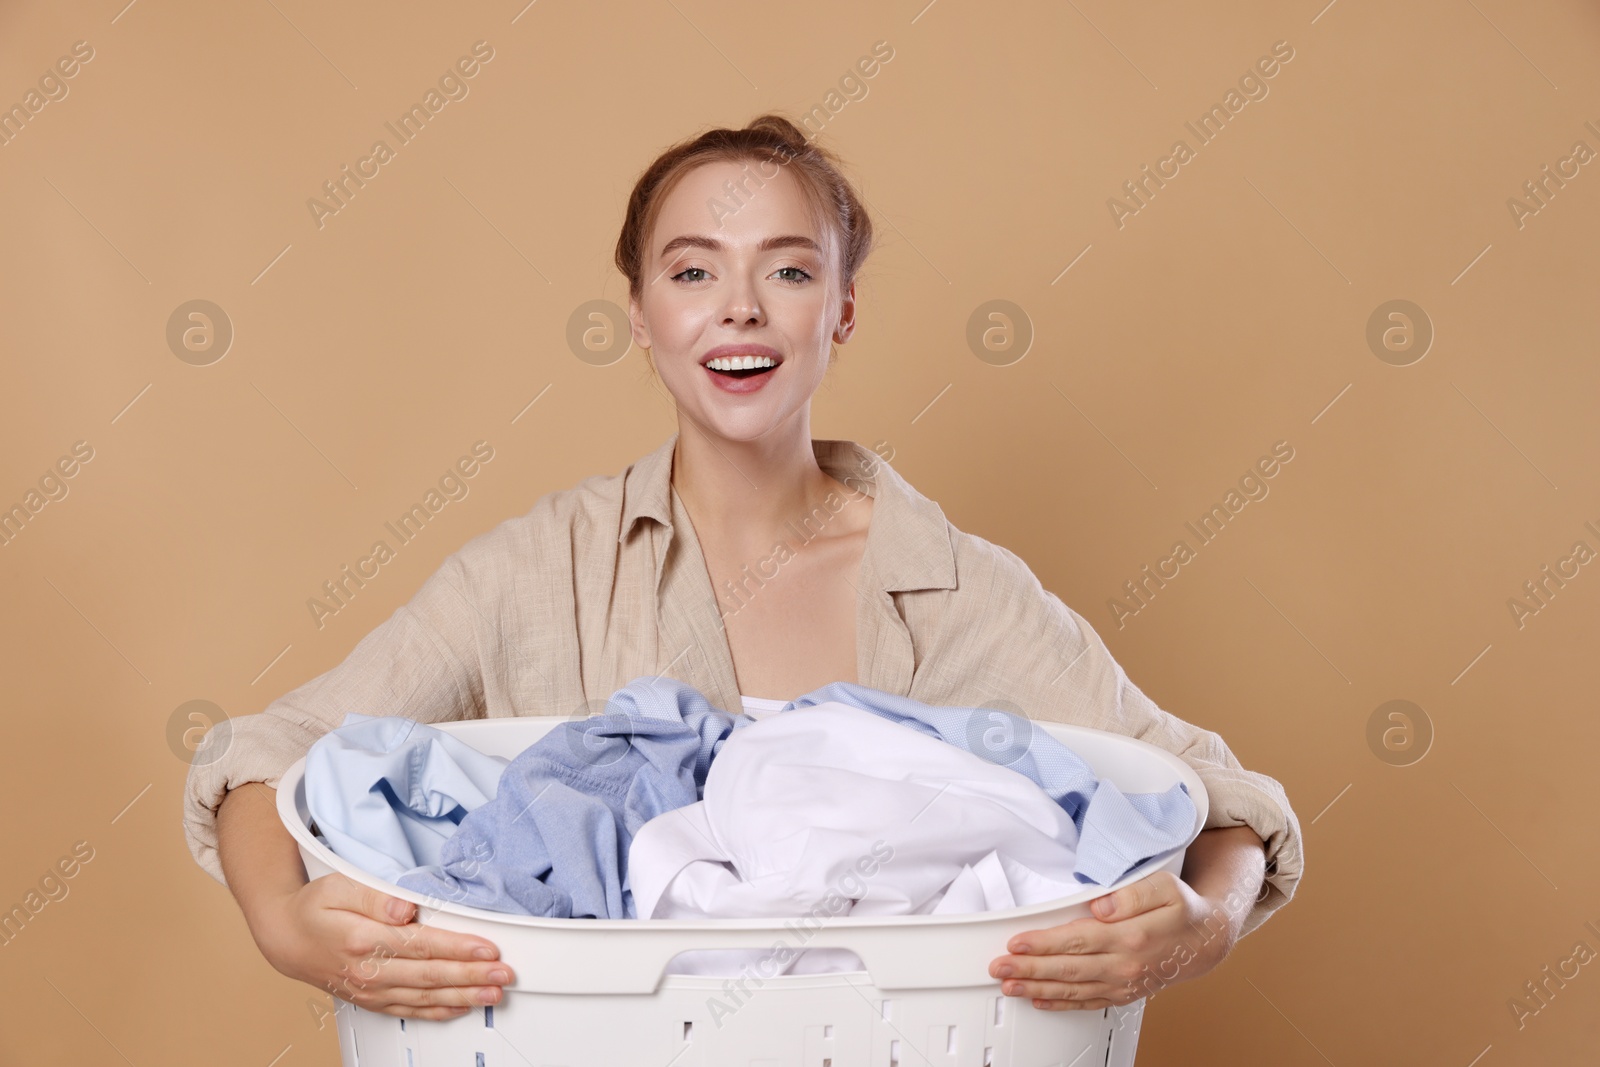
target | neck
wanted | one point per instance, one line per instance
(748, 492)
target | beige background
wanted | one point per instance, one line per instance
(1229, 313)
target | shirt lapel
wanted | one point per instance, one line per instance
(693, 645)
(908, 549)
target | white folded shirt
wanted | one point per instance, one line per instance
(830, 810)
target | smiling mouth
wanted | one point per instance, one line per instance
(763, 364)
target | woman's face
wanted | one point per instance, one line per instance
(733, 272)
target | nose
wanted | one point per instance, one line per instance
(741, 307)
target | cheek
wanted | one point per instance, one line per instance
(672, 323)
(808, 323)
(815, 372)
(675, 329)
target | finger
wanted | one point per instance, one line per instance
(351, 895)
(405, 1011)
(1074, 991)
(384, 962)
(397, 972)
(1147, 894)
(408, 1003)
(1078, 937)
(415, 941)
(1072, 1005)
(420, 942)
(1058, 968)
(445, 996)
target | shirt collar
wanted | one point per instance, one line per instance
(908, 541)
(646, 489)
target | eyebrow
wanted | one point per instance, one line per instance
(694, 240)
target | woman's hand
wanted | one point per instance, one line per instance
(1146, 936)
(360, 945)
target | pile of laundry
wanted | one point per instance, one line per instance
(848, 800)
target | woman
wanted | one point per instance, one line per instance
(751, 561)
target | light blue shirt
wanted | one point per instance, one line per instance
(387, 792)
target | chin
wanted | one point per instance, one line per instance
(749, 425)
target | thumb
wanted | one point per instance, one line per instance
(389, 909)
(376, 904)
(1128, 901)
(1105, 907)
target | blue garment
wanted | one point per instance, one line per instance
(388, 792)
(554, 841)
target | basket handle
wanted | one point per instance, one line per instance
(568, 959)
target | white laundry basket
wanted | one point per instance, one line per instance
(592, 992)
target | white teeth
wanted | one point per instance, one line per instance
(741, 362)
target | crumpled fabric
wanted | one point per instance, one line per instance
(553, 838)
(554, 841)
(1117, 831)
(835, 811)
(387, 793)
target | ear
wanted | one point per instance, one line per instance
(636, 326)
(847, 316)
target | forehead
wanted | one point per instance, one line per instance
(758, 204)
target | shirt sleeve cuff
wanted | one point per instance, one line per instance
(253, 748)
(1245, 798)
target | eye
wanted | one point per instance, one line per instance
(686, 270)
(805, 275)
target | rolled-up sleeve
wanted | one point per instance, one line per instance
(1020, 641)
(421, 662)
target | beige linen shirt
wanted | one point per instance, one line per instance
(551, 612)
